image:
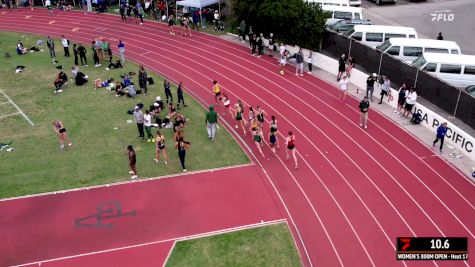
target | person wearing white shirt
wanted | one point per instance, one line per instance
(384, 88)
(148, 126)
(410, 102)
(343, 88)
(65, 43)
(216, 20)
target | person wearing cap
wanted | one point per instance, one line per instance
(139, 120)
(441, 131)
(211, 120)
(370, 86)
(364, 107)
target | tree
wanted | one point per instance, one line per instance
(292, 21)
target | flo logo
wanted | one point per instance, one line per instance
(443, 15)
(406, 243)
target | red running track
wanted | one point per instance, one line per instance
(149, 215)
(355, 191)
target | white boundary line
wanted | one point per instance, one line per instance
(181, 238)
(9, 115)
(176, 175)
(18, 108)
(169, 254)
(4, 103)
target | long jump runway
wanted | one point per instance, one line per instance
(355, 191)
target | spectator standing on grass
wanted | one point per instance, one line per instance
(341, 67)
(65, 43)
(59, 128)
(179, 93)
(299, 58)
(440, 37)
(411, 99)
(52, 53)
(139, 120)
(364, 108)
(160, 147)
(384, 88)
(143, 80)
(132, 161)
(82, 55)
(168, 92)
(95, 55)
(121, 47)
(148, 126)
(76, 54)
(182, 145)
(401, 99)
(370, 86)
(441, 131)
(211, 121)
(140, 12)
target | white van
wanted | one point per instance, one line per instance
(410, 49)
(331, 2)
(458, 70)
(374, 35)
(342, 12)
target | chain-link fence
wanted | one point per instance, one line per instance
(445, 96)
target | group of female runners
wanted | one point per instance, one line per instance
(184, 23)
(256, 122)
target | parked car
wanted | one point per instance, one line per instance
(355, 2)
(346, 24)
(470, 90)
(342, 12)
(379, 2)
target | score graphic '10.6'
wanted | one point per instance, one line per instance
(432, 248)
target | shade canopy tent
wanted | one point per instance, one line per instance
(198, 4)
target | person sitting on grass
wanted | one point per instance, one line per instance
(60, 81)
(74, 71)
(98, 83)
(180, 122)
(155, 111)
(115, 66)
(20, 49)
(81, 78)
(130, 91)
(119, 90)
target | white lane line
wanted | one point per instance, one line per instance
(181, 238)
(4, 103)
(176, 175)
(8, 115)
(169, 253)
(18, 108)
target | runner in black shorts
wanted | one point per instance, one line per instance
(160, 147)
(171, 22)
(58, 127)
(238, 111)
(273, 140)
(257, 137)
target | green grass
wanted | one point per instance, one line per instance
(263, 246)
(98, 156)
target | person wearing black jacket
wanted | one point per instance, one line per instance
(253, 43)
(75, 52)
(299, 58)
(143, 80)
(179, 92)
(271, 46)
(94, 55)
(370, 86)
(168, 92)
(82, 55)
